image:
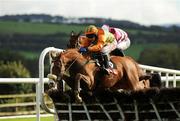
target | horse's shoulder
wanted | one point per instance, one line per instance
(119, 59)
(116, 57)
(71, 50)
(130, 58)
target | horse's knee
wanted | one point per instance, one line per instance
(143, 84)
(146, 83)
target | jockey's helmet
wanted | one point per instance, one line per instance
(90, 31)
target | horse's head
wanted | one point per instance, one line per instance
(73, 41)
(57, 67)
(62, 61)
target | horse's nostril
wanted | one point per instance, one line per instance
(52, 77)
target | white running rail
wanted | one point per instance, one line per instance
(168, 76)
(27, 81)
(41, 78)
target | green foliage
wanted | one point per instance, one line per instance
(9, 56)
(166, 56)
(31, 38)
(14, 70)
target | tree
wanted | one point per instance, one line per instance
(167, 56)
(14, 70)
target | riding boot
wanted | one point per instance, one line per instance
(106, 66)
(118, 52)
(121, 53)
(106, 61)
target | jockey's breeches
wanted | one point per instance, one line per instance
(109, 47)
(123, 45)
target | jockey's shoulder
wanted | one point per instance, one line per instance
(100, 31)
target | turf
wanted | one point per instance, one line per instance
(51, 118)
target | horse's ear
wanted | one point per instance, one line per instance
(54, 54)
(72, 33)
(79, 33)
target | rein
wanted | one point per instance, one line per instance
(67, 69)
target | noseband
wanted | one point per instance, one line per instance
(58, 62)
(65, 72)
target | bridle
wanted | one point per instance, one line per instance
(58, 62)
(67, 69)
(65, 72)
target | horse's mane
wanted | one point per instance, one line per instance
(72, 50)
(72, 53)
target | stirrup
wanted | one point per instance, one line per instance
(97, 62)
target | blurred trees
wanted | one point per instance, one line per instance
(14, 70)
(167, 56)
(12, 65)
(9, 56)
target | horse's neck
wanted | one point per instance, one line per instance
(74, 57)
(79, 61)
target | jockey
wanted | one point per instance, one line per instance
(99, 41)
(123, 41)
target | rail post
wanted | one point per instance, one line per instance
(40, 85)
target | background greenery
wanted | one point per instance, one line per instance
(22, 42)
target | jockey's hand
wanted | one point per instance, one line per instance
(83, 50)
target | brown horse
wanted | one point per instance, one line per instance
(81, 72)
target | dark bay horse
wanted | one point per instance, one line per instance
(81, 72)
(73, 41)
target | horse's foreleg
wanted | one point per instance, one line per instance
(78, 78)
(77, 85)
(144, 83)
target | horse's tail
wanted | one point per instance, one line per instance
(155, 80)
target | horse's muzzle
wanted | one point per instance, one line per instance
(52, 77)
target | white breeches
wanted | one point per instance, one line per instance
(110, 47)
(123, 45)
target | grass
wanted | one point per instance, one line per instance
(29, 54)
(11, 27)
(135, 49)
(50, 118)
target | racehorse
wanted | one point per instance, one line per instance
(81, 72)
(73, 41)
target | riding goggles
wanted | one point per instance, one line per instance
(90, 35)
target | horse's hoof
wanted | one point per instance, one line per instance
(90, 93)
(120, 90)
(78, 100)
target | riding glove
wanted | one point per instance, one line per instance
(83, 50)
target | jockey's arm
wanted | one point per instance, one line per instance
(100, 44)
